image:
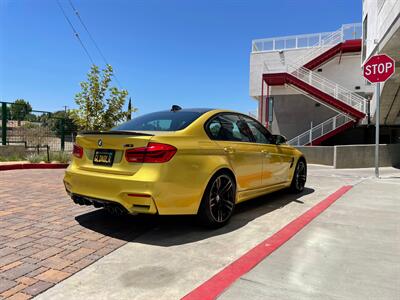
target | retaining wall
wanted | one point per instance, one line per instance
(352, 156)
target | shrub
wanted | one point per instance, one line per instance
(14, 157)
(63, 157)
(36, 158)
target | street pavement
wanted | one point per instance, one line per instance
(350, 251)
(42, 239)
(170, 256)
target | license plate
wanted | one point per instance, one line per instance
(103, 157)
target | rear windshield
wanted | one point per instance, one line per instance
(160, 121)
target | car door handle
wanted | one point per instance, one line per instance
(266, 153)
(229, 150)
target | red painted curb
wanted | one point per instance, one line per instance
(32, 166)
(214, 286)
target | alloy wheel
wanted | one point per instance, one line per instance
(222, 198)
(301, 176)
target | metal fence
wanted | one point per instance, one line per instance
(36, 130)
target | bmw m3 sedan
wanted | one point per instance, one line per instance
(182, 161)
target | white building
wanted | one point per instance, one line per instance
(314, 85)
(381, 34)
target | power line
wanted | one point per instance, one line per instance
(91, 38)
(75, 32)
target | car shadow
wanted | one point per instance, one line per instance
(176, 230)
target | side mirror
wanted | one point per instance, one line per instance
(279, 139)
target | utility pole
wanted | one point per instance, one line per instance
(63, 128)
(4, 123)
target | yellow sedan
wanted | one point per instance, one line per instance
(182, 161)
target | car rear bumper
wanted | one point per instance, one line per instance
(172, 188)
(136, 196)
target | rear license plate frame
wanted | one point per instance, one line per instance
(101, 161)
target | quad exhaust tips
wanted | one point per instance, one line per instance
(81, 200)
(114, 209)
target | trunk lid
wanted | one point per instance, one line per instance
(115, 141)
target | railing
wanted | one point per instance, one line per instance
(347, 32)
(320, 130)
(328, 42)
(295, 68)
(329, 87)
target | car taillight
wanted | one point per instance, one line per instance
(153, 153)
(77, 151)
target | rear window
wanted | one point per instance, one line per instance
(160, 121)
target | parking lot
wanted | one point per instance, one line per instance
(50, 245)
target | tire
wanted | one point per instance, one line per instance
(218, 201)
(299, 177)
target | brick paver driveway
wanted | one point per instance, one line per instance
(45, 237)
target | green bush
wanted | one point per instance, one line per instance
(36, 158)
(14, 157)
(63, 157)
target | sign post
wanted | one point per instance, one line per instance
(376, 70)
(377, 118)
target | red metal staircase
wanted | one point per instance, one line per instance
(350, 106)
(343, 47)
(323, 96)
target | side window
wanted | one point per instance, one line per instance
(214, 127)
(229, 127)
(261, 134)
(157, 125)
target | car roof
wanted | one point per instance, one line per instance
(198, 110)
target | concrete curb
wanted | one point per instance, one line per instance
(33, 166)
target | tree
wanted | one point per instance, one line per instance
(19, 110)
(100, 105)
(57, 120)
(130, 110)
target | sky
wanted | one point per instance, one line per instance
(187, 52)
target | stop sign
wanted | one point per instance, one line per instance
(379, 68)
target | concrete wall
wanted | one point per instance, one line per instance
(322, 155)
(353, 156)
(360, 156)
(293, 114)
(394, 153)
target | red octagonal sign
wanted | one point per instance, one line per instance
(379, 68)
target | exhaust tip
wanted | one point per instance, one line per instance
(98, 204)
(116, 210)
(78, 200)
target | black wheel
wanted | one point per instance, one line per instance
(299, 177)
(218, 201)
